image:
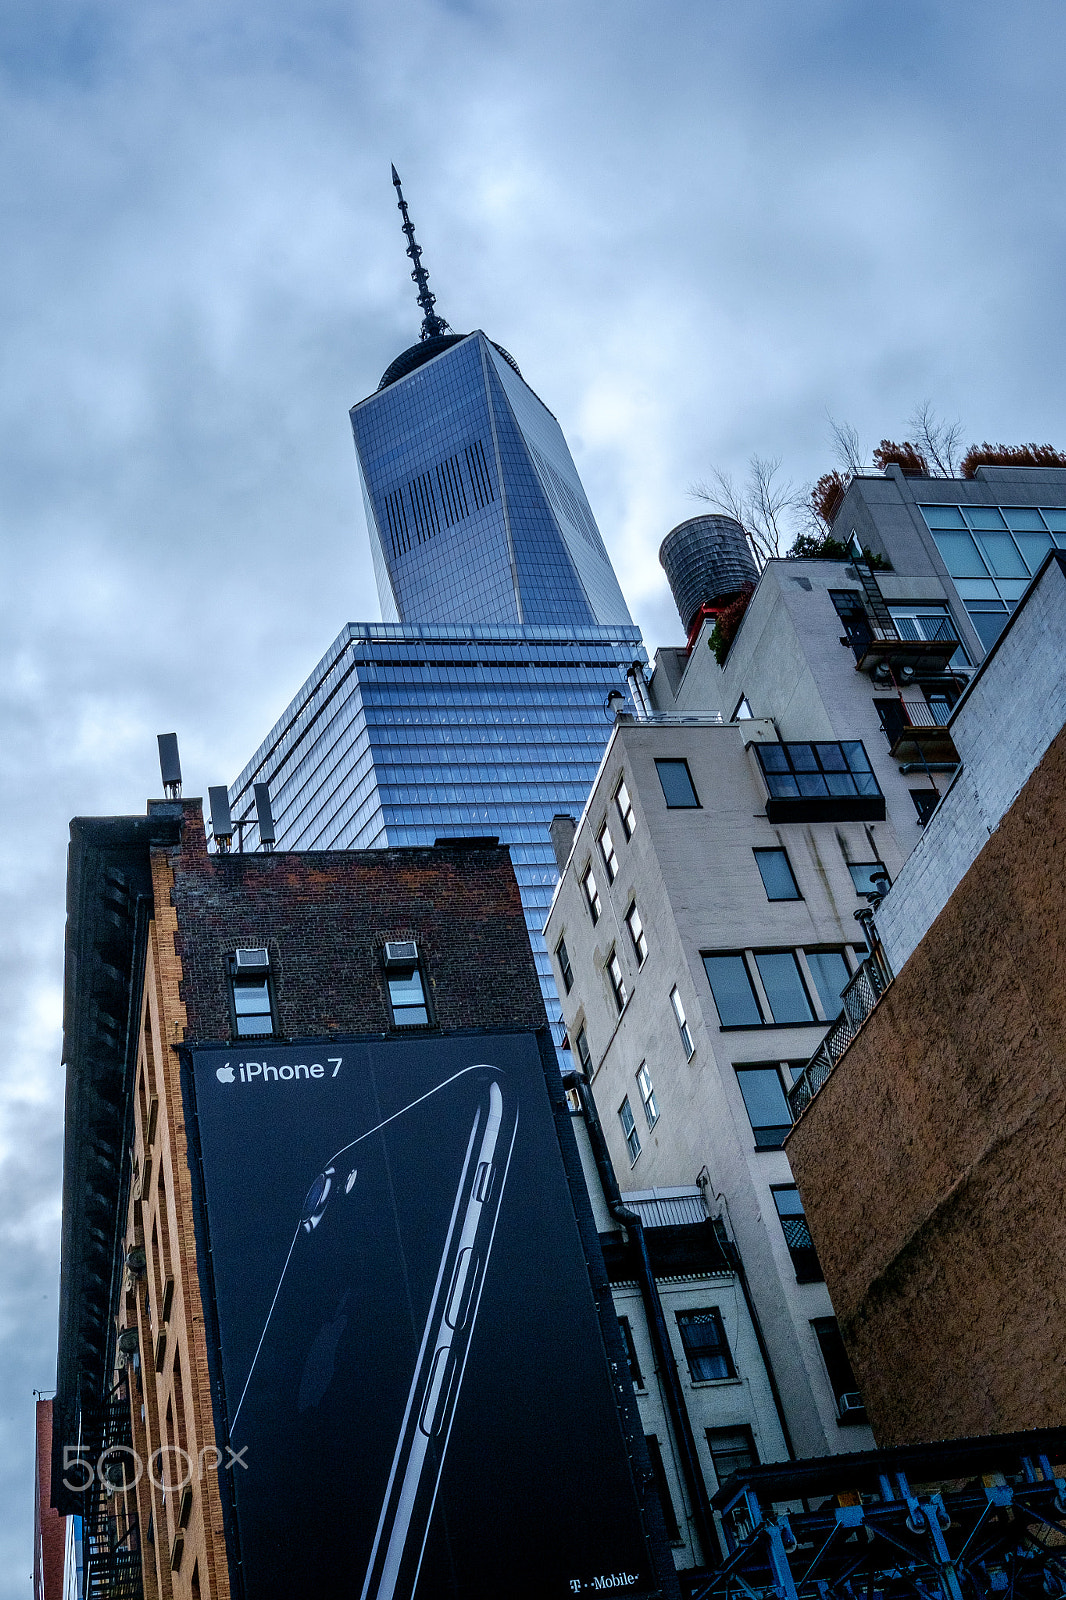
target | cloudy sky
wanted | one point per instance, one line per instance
(699, 227)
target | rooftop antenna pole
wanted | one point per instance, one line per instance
(432, 325)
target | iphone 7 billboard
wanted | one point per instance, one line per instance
(416, 1394)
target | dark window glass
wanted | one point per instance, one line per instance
(830, 973)
(732, 1450)
(865, 876)
(618, 982)
(564, 965)
(781, 979)
(776, 874)
(706, 1349)
(838, 1370)
(734, 996)
(797, 1234)
(795, 770)
(584, 1054)
(647, 1095)
(407, 997)
(677, 784)
(925, 803)
(960, 554)
(767, 1107)
(637, 934)
(631, 1352)
(989, 618)
(629, 1129)
(673, 1532)
(251, 1006)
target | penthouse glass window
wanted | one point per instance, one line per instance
(991, 553)
(610, 859)
(706, 1347)
(637, 934)
(678, 789)
(776, 873)
(592, 894)
(795, 771)
(625, 809)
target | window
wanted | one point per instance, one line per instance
(732, 1450)
(584, 1054)
(743, 711)
(250, 989)
(407, 997)
(592, 895)
(796, 1232)
(780, 974)
(766, 1104)
(617, 981)
(925, 803)
(733, 994)
(928, 622)
(705, 1345)
(629, 1129)
(830, 972)
(647, 1095)
(794, 771)
(682, 1025)
(776, 874)
(610, 860)
(631, 1352)
(637, 934)
(625, 809)
(838, 1369)
(678, 790)
(564, 965)
(673, 1532)
(866, 875)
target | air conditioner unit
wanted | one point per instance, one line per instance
(251, 960)
(128, 1342)
(401, 953)
(851, 1404)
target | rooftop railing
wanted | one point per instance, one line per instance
(858, 1000)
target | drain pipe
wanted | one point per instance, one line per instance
(653, 1309)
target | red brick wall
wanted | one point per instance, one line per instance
(931, 1163)
(50, 1529)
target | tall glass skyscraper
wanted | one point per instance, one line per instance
(479, 706)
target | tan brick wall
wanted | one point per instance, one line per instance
(931, 1163)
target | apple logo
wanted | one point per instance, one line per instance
(225, 1074)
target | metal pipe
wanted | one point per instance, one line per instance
(677, 1411)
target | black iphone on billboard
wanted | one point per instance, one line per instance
(401, 1300)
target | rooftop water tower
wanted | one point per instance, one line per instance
(707, 561)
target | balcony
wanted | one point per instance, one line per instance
(874, 645)
(819, 782)
(915, 729)
(858, 1000)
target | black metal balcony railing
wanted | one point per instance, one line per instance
(904, 645)
(858, 1000)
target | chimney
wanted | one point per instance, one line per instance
(563, 828)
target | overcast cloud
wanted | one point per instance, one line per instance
(698, 227)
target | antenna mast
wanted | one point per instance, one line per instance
(432, 325)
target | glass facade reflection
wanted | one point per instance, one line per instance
(476, 513)
(402, 735)
(991, 552)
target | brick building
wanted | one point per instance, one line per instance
(930, 1158)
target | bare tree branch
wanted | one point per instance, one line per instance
(846, 445)
(764, 507)
(939, 441)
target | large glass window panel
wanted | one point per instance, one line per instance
(961, 556)
(1001, 554)
(942, 516)
(678, 789)
(1056, 521)
(1027, 517)
(781, 979)
(767, 1107)
(989, 618)
(776, 874)
(830, 973)
(734, 997)
(984, 517)
(1034, 547)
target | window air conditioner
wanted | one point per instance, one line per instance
(851, 1404)
(401, 953)
(249, 960)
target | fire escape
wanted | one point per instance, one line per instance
(112, 1535)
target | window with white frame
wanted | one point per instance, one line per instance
(592, 894)
(629, 1129)
(607, 850)
(617, 980)
(625, 809)
(682, 1024)
(637, 934)
(647, 1094)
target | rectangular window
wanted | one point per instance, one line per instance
(629, 1129)
(407, 997)
(673, 1532)
(766, 1103)
(610, 860)
(838, 1369)
(625, 809)
(592, 895)
(682, 1025)
(830, 972)
(869, 877)
(617, 981)
(678, 790)
(706, 1349)
(584, 1054)
(780, 974)
(732, 1450)
(253, 1014)
(796, 1232)
(637, 934)
(647, 1095)
(564, 965)
(734, 996)
(800, 771)
(776, 874)
(925, 803)
(631, 1352)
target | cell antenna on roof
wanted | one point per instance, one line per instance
(432, 325)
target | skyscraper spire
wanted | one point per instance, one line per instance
(432, 325)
